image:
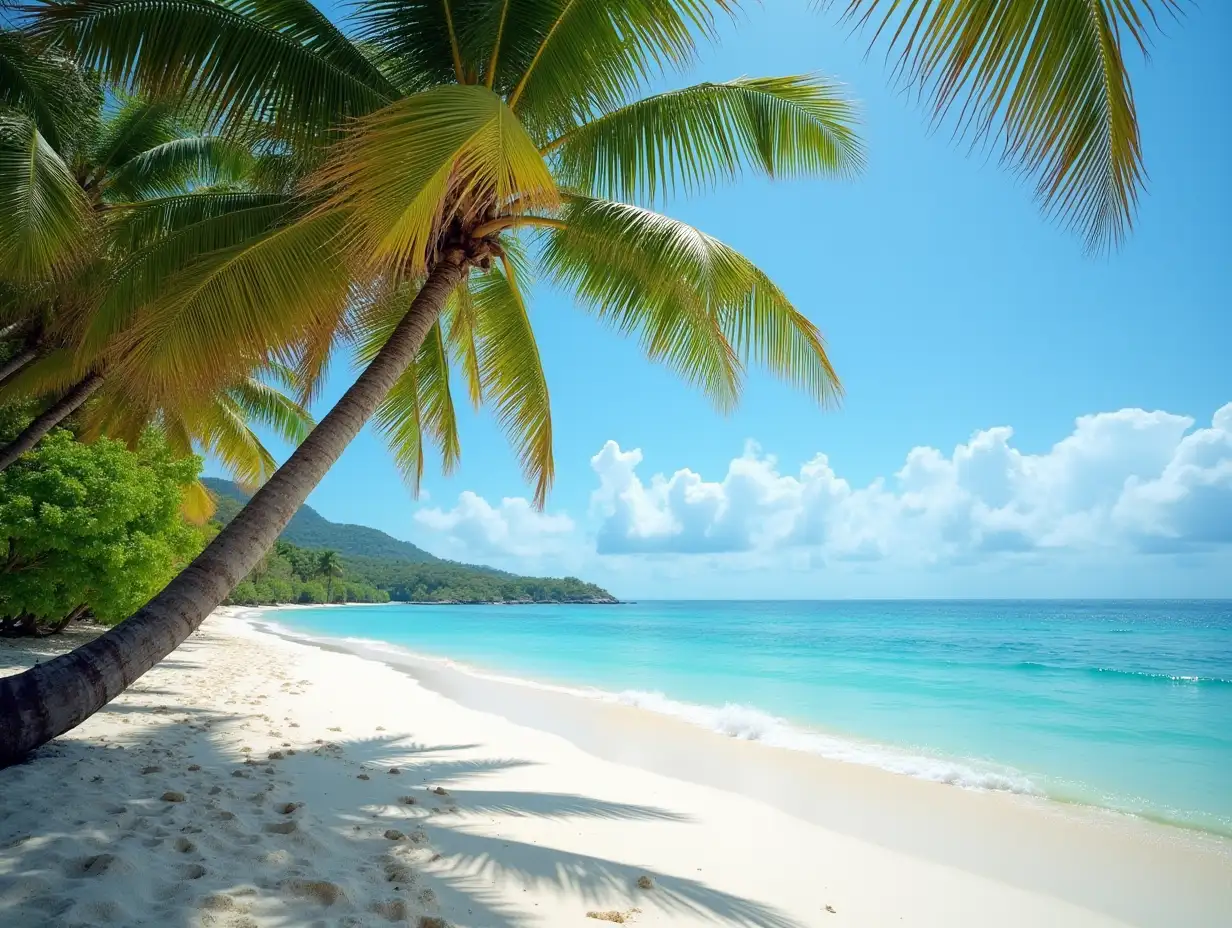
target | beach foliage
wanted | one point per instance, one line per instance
(91, 528)
(290, 574)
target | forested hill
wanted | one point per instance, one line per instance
(310, 529)
(372, 561)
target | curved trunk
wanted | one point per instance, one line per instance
(68, 404)
(53, 697)
(16, 364)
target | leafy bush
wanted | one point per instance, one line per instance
(91, 528)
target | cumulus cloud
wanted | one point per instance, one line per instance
(476, 527)
(1130, 478)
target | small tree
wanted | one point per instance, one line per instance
(90, 528)
(329, 567)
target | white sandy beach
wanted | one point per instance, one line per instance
(254, 781)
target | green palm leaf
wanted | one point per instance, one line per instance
(417, 41)
(1048, 78)
(691, 138)
(221, 429)
(419, 408)
(45, 85)
(178, 165)
(217, 317)
(135, 127)
(649, 275)
(165, 237)
(225, 63)
(562, 58)
(699, 306)
(266, 405)
(43, 212)
(512, 373)
(407, 171)
(461, 323)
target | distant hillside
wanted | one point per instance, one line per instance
(374, 561)
(310, 529)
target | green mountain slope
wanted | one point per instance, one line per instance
(310, 529)
(372, 560)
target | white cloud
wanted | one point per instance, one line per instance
(474, 527)
(1129, 478)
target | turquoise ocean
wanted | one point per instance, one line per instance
(1121, 705)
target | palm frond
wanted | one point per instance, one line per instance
(197, 504)
(222, 314)
(177, 166)
(43, 212)
(785, 126)
(419, 408)
(225, 64)
(565, 59)
(163, 238)
(47, 86)
(405, 172)
(512, 374)
(416, 40)
(652, 276)
(266, 405)
(221, 429)
(1047, 79)
(460, 321)
(51, 374)
(136, 126)
(700, 307)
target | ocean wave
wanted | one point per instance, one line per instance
(747, 723)
(1170, 678)
(1193, 679)
(733, 720)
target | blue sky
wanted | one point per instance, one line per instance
(951, 308)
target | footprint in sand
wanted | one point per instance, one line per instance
(321, 891)
(99, 865)
(394, 910)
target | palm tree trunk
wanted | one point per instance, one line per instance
(14, 365)
(55, 696)
(68, 404)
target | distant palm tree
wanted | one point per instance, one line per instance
(467, 124)
(329, 566)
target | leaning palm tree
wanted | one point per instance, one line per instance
(470, 127)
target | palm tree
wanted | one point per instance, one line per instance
(99, 182)
(471, 126)
(103, 201)
(329, 566)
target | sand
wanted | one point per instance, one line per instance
(254, 781)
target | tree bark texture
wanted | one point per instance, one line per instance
(64, 407)
(16, 364)
(56, 696)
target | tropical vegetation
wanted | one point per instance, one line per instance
(90, 530)
(440, 155)
(375, 567)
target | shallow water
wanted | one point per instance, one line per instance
(1126, 705)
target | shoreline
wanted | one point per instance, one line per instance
(249, 780)
(1055, 839)
(750, 724)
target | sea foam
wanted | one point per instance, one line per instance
(747, 723)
